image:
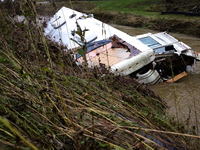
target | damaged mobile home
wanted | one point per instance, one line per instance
(149, 58)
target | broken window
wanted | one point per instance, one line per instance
(164, 49)
(150, 42)
(93, 46)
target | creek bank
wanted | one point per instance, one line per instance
(52, 103)
(170, 24)
(191, 27)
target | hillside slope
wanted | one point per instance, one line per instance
(47, 101)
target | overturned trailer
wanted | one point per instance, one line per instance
(149, 58)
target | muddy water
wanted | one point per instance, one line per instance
(184, 95)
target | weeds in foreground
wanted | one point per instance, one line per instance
(48, 102)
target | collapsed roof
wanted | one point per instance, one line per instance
(64, 22)
(127, 55)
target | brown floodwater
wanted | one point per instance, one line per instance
(183, 95)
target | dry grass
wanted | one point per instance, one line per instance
(48, 101)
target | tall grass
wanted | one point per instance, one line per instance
(128, 5)
(48, 102)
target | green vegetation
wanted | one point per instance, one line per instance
(125, 6)
(143, 15)
(146, 8)
(47, 101)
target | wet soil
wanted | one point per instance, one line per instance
(160, 24)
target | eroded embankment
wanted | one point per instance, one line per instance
(52, 102)
(191, 27)
(170, 24)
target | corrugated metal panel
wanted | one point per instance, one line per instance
(165, 38)
(181, 47)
